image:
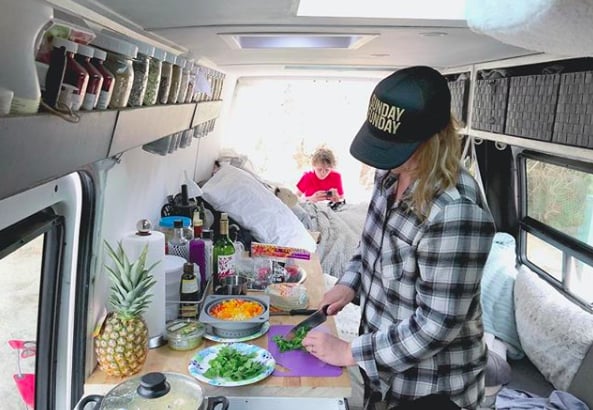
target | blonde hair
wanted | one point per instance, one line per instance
(324, 156)
(437, 169)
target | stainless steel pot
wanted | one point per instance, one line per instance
(154, 391)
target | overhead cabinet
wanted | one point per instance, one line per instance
(37, 148)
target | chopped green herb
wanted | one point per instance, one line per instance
(230, 364)
(296, 343)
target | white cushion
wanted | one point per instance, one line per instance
(256, 208)
(555, 333)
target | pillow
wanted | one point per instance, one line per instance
(256, 208)
(555, 333)
(498, 280)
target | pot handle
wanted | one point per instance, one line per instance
(93, 398)
(215, 401)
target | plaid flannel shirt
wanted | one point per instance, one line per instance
(419, 283)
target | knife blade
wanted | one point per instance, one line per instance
(293, 312)
(309, 323)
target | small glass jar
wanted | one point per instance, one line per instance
(191, 84)
(176, 80)
(185, 73)
(154, 77)
(120, 56)
(166, 76)
(141, 65)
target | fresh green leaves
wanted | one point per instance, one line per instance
(233, 365)
(296, 343)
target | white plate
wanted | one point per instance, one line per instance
(262, 331)
(200, 363)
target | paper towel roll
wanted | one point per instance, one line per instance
(133, 245)
(173, 272)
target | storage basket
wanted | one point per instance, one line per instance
(574, 111)
(459, 96)
(532, 106)
(489, 106)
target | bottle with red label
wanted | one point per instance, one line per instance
(93, 89)
(74, 75)
(223, 253)
(108, 80)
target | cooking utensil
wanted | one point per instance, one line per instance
(309, 323)
(154, 391)
(293, 312)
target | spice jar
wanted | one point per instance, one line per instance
(141, 65)
(155, 69)
(120, 56)
(74, 74)
(166, 76)
(176, 80)
(191, 84)
(108, 80)
(84, 55)
(186, 72)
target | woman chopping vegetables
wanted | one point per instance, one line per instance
(419, 262)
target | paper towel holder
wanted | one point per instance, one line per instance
(144, 228)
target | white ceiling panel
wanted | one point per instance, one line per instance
(197, 25)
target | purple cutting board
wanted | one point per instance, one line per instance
(298, 362)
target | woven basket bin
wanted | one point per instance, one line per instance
(532, 106)
(574, 112)
(459, 95)
(489, 106)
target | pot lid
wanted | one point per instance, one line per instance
(155, 391)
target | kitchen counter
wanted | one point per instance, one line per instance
(165, 359)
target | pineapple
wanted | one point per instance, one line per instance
(122, 343)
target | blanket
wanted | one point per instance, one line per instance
(339, 233)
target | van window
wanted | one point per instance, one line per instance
(557, 222)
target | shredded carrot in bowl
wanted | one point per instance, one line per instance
(236, 309)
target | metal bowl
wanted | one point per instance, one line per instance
(234, 328)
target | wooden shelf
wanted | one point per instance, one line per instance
(37, 148)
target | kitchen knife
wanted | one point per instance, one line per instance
(309, 323)
(293, 312)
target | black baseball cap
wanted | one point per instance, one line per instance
(405, 109)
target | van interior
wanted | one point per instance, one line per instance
(266, 83)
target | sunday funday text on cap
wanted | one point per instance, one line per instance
(383, 116)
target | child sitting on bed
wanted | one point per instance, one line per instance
(323, 183)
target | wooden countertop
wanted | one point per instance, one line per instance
(165, 359)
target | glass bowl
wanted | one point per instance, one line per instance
(287, 296)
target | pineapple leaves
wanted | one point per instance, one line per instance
(130, 282)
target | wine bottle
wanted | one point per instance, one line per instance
(223, 253)
(189, 292)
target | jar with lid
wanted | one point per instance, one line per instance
(176, 80)
(74, 75)
(93, 89)
(155, 69)
(108, 80)
(166, 75)
(191, 84)
(185, 73)
(120, 56)
(141, 65)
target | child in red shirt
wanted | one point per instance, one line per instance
(322, 183)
